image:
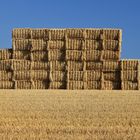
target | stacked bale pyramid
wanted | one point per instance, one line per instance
(67, 59)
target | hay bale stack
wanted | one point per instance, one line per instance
(130, 74)
(67, 59)
(111, 75)
(70, 56)
(5, 69)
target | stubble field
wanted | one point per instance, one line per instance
(64, 115)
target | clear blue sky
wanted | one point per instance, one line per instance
(124, 14)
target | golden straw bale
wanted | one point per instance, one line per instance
(75, 66)
(75, 33)
(57, 65)
(112, 76)
(40, 33)
(21, 44)
(5, 76)
(94, 65)
(94, 75)
(112, 34)
(130, 85)
(75, 85)
(93, 45)
(5, 65)
(75, 44)
(5, 54)
(57, 76)
(56, 55)
(23, 84)
(57, 34)
(21, 33)
(74, 55)
(57, 85)
(93, 34)
(56, 44)
(111, 66)
(21, 65)
(41, 85)
(130, 75)
(93, 85)
(112, 85)
(76, 75)
(40, 65)
(6, 85)
(130, 64)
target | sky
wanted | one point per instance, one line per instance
(123, 14)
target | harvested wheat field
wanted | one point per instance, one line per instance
(64, 115)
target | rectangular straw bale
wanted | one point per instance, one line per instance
(40, 65)
(94, 65)
(22, 55)
(130, 64)
(93, 45)
(113, 45)
(74, 55)
(57, 65)
(130, 85)
(75, 33)
(21, 33)
(94, 75)
(111, 55)
(22, 75)
(93, 34)
(75, 44)
(56, 44)
(5, 76)
(112, 85)
(112, 34)
(93, 55)
(38, 45)
(130, 75)
(40, 33)
(76, 75)
(112, 76)
(21, 65)
(56, 55)
(94, 85)
(75, 85)
(41, 85)
(57, 34)
(23, 84)
(5, 54)
(39, 55)
(6, 85)
(111, 66)
(57, 85)
(21, 44)
(5, 65)
(57, 76)
(40, 75)
(75, 66)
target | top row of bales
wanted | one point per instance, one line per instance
(62, 34)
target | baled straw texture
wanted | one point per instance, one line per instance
(130, 85)
(57, 85)
(5, 76)
(6, 85)
(93, 85)
(5, 54)
(112, 76)
(112, 85)
(5, 65)
(111, 66)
